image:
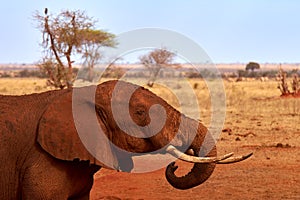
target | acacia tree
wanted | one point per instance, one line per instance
(67, 35)
(93, 40)
(155, 61)
(252, 66)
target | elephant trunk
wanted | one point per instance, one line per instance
(198, 174)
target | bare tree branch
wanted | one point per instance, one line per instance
(69, 33)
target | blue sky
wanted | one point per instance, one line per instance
(229, 31)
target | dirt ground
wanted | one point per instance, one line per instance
(273, 172)
(256, 121)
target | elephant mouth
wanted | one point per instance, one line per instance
(201, 170)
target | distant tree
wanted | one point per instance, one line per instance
(32, 73)
(93, 40)
(65, 35)
(155, 61)
(113, 71)
(252, 66)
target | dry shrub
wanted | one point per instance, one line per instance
(283, 86)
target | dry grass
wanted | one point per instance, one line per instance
(20, 86)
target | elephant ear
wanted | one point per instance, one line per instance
(58, 135)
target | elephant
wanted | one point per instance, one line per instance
(43, 155)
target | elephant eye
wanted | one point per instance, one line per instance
(140, 112)
(140, 116)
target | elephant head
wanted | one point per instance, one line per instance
(133, 120)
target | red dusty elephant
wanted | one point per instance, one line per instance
(43, 156)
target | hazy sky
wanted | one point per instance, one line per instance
(229, 31)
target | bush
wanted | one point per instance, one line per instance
(32, 73)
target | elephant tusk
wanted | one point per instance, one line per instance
(234, 159)
(193, 159)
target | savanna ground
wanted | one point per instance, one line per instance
(257, 121)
